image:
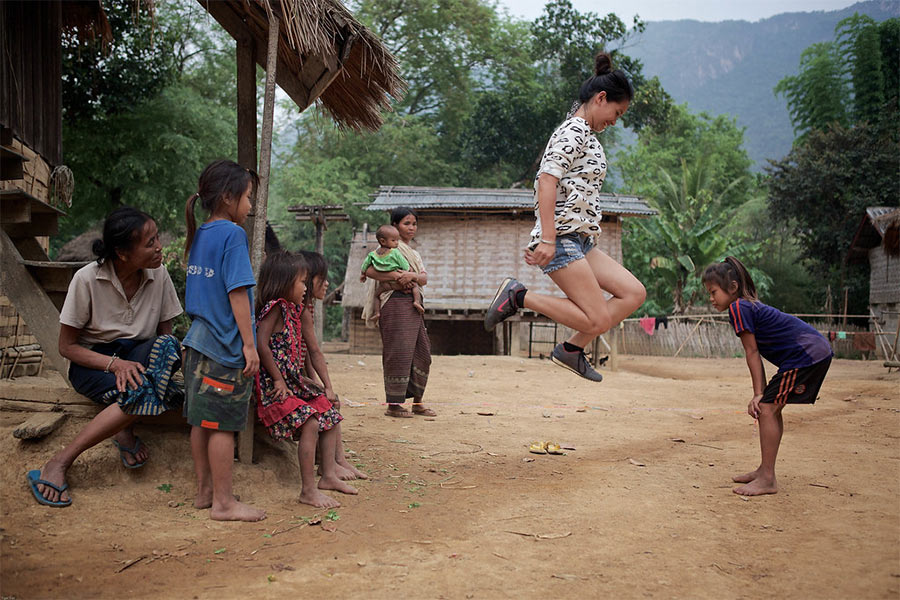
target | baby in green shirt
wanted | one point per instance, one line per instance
(385, 259)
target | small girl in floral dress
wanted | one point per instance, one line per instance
(290, 405)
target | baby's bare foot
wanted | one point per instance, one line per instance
(236, 511)
(419, 308)
(746, 477)
(333, 483)
(318, 499)
(757, 487)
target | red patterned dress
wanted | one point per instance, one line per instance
(283, 418)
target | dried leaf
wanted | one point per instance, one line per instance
(485, 413)
(677, 440)
(329, 526)
(636, 463)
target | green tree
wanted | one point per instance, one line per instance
(146, 113)
(823, 188)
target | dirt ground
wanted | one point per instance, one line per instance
(456, 507)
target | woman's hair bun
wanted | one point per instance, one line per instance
(98, 248)
(602, 64)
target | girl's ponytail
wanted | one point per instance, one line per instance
(746, 288)
(729, 271)
(221, 181)
(191, 223)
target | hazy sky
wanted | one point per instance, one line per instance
(670, 10)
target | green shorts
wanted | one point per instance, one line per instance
(215, 396)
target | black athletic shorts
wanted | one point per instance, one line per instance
(797, 386)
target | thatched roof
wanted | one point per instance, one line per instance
(86, 19)
(324, 54)
(880, 225)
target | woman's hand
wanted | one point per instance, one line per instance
(251, 356)
(540, 256)
(407, 278)
(128, 374)
(281, 390)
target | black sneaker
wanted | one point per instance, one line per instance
(504, 304)
(576, 362)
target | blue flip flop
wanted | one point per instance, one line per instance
(132, 451)
(34, 478)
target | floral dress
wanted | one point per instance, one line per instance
(283, 418)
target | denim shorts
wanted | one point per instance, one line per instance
(569, 248)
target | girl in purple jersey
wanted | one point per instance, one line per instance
(801, 354)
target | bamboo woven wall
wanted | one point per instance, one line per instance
(710, 340)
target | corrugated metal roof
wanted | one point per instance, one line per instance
(432, 198)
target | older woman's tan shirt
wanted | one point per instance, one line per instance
(96, 304)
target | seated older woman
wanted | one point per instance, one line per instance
(115, 328)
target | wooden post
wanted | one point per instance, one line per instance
(614, 347)
(319, 314)
(258, 231)
(515, 338)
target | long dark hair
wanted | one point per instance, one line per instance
(316, 266)
(401, 212)
(277, 275)
(221, 180)
(120, 231)
(729, 271)
(606, 79)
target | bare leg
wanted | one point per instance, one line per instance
(199, 452)
(220, 452)
(110, 421)
(585, 309)
(330, 480)
(341, 460)
(306, 455)
(771, 428)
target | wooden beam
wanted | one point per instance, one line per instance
(32, 303)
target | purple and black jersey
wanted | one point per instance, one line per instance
(783, 340)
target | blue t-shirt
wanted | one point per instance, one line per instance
(219, 262)
(783, 340)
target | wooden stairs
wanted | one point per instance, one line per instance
(35, 284)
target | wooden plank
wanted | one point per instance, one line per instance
(32, 302)
(40, 224)
(14, 212)
(76, 410)
(38, 73)
(54, 93)
(39, 425)
(36, 205)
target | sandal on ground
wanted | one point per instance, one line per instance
(399, 413)
(538, 448)
(132, 451)
(425, 412)
(34, 478)
(554, 448)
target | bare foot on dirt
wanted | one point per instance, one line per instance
(55, 473)
(318, 499)
(204, 499)
(333, 483)
(757, 487)
(419, 308)
(237, 511)
(357, 474)
(746, 477)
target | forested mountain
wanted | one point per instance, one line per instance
(732, 66)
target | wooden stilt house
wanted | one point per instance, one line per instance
(469, 239)
(322, 54)
(877, 240)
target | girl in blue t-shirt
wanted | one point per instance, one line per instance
(220, 358)
(801, 354)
